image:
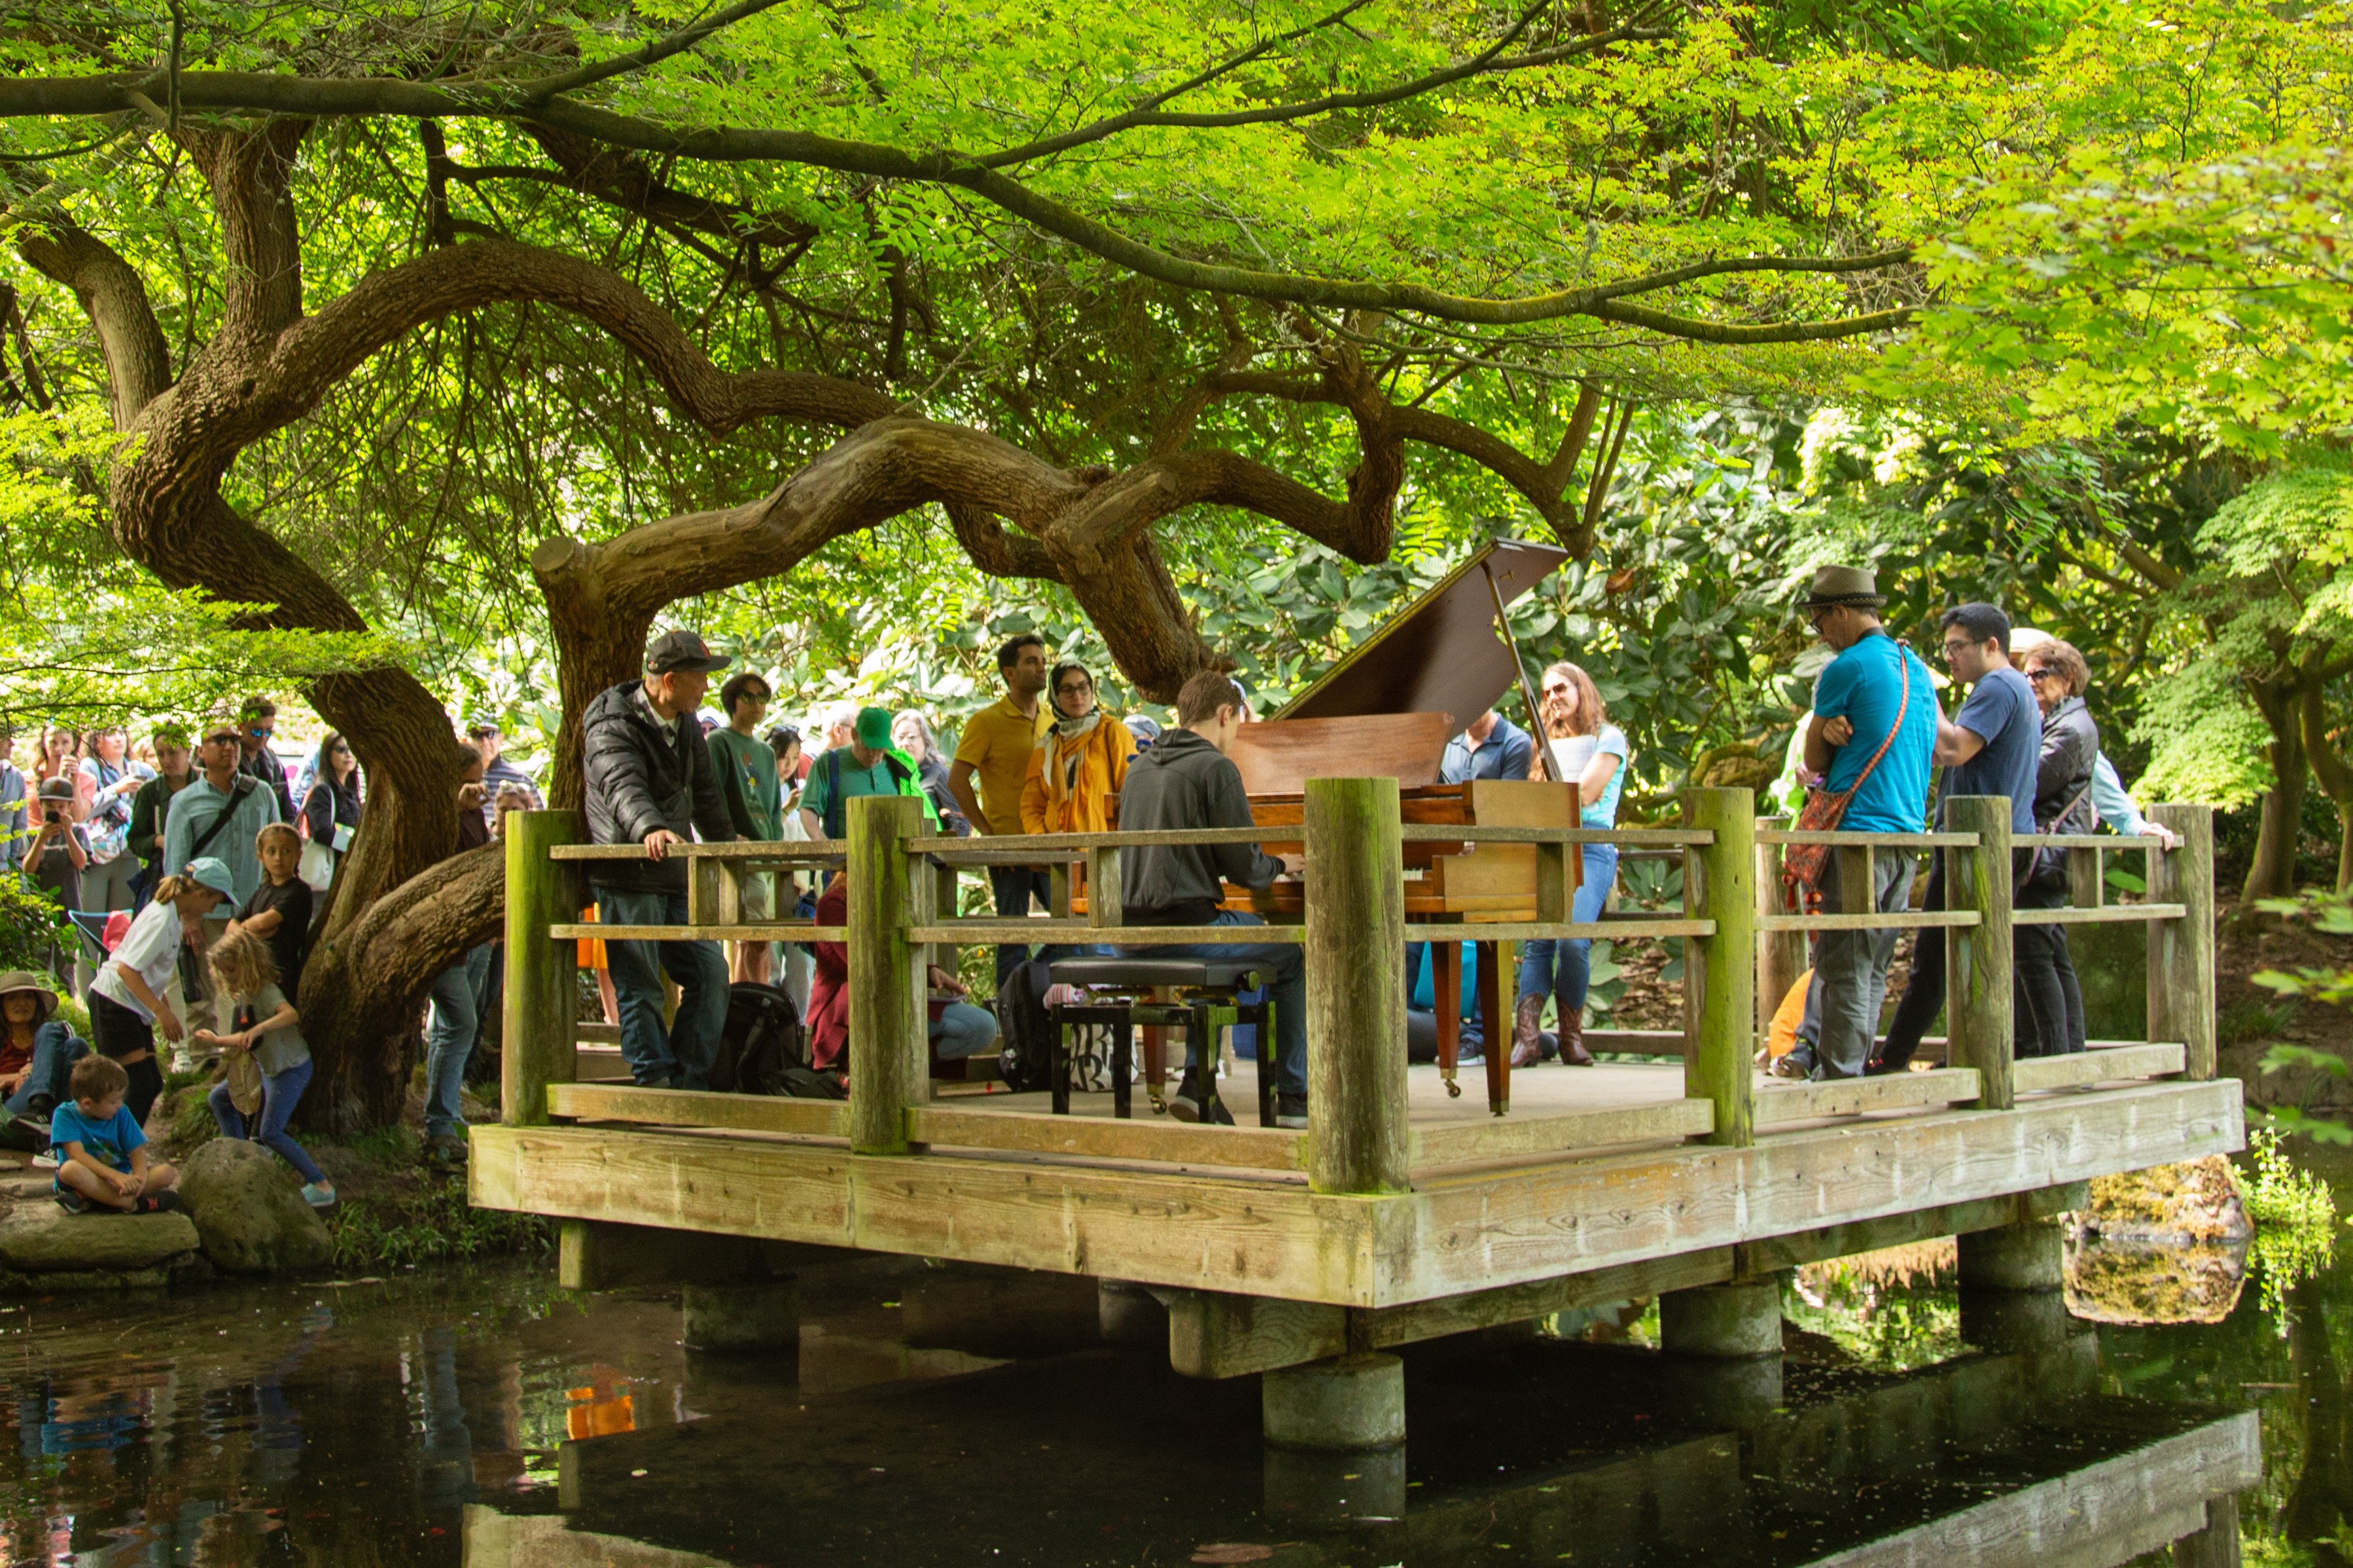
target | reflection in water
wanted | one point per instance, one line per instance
(941, 1415)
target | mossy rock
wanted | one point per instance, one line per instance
(2195, 1201)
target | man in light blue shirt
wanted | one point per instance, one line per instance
(1873, 728)
(219, 811)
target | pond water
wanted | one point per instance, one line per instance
(963, 1416)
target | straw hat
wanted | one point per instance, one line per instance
(1835, 585)
(18, 980)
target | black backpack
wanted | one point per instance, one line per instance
(1025, 1058)
(763, 1041)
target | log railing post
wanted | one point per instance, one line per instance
(1720, 971)
(1356, 988)
(537, 1019)
(1978, 1015)
(2181, 952)
(889, 1063)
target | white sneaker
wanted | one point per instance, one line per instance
(46, 1162)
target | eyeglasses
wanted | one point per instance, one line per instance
(1072, 688)
(1952, 650)
(2039, 676)
(1559, 688)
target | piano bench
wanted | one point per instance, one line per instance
(1213, 986)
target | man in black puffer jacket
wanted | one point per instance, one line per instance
(2048, 1004)
(650, 782)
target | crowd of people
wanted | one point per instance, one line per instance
(2023, 733)
(195, 870)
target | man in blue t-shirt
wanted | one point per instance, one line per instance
(1873, 727)
(1990, 747)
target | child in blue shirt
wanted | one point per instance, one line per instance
(102, 1154)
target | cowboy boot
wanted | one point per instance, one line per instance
(1526, 1050)
(1572, 1038)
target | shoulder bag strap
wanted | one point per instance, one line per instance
(242, 788)
(1903, 704)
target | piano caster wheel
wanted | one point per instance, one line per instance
(1159, 1106)
(1453, 1090)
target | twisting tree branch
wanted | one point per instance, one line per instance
(343, 97)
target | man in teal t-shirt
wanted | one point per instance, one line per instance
(868, 765)
(1873, 728)
(746, 768)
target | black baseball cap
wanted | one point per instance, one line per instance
(679, 650)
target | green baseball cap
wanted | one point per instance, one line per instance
(873, 728)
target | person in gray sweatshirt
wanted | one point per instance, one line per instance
(1185, 782)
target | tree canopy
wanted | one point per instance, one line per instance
(493, 331)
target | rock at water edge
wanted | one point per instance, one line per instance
(42, 1238)
(249, 1211)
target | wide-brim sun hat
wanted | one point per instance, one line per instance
(18, 980)
(1836, 585)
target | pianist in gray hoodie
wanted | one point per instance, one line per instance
(1185, 782)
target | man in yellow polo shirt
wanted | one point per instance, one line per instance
(996, 750)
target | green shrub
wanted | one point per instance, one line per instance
(436, 1224)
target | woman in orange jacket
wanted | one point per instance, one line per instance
(1080, 761)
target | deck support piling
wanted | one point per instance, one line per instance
(2023, 1256)
(1347, 1404)
(1128, 1314)
(2013, 1281)
(1738, 1321)
(2217, 1545)
(747, 1315)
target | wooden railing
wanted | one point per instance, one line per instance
(903, 902)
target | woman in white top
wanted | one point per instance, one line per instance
(126, 1000)
(1590, 752)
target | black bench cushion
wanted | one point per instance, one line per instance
(1215, 973)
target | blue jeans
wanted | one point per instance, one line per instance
(681, 1054)
(1015, 886)
(449, 1041)
(1565, 968)
(962, 1030)
(1282, 969)
(49, 1075)
(280, 1094)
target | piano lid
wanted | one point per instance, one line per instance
(1442, 654)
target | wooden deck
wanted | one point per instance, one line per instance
(1402, 1213)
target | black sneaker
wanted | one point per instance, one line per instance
(157, 1203)
(72, 1202)
(1187, 1105)
(1290, 1111)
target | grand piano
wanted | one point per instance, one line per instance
(1389, 707)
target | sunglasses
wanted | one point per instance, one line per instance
(221, 738)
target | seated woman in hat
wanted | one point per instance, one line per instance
(36, 1057)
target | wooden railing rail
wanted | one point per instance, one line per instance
(1735, 922)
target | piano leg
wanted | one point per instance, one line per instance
(1446, 997)
(1495, 1024)
(1156, 1062)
